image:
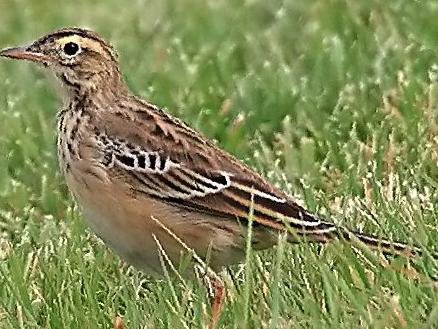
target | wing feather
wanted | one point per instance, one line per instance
(170, 161)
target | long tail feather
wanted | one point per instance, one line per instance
(382, 245)
(326, 232)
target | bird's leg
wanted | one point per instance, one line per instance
(216, 292)
(118, 323)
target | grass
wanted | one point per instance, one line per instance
(335, 101)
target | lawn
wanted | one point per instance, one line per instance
(335, 101)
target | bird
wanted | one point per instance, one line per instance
(148, 184)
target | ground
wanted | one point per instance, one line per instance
(334, 101)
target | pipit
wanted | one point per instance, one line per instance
(147, 183)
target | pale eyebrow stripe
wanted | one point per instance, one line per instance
(81, 33)
(83, 42)
(88, 43)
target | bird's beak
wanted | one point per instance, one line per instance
(25, 53)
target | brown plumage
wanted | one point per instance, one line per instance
(126, 161)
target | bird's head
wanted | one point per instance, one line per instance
(82, 60)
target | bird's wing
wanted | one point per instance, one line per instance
(162, 157)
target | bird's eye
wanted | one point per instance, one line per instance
(71, 48)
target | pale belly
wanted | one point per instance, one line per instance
(125, 223)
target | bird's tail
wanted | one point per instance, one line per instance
(326, 232)
(382, 245)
